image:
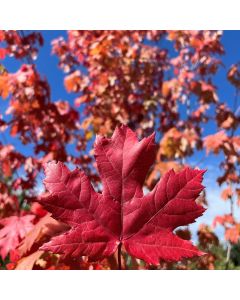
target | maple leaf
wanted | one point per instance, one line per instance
(46, 227)
(232, 234)
(122, 215)
(73, 82)
(213, 142)
(227, 193)
(27, 263)
(15, 228)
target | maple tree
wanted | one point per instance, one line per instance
(150, 80)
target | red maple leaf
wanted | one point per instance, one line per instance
(122, 215)
(14, 229)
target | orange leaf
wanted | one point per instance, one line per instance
(227, 193)
(4, 86)
(72, 82)
(27, 263)
(47, 226)
(214, 142)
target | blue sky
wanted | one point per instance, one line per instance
(47, 66)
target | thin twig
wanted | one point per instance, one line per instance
(119, 257)
(229, 248)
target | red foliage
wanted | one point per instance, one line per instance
(127, 77)
(14, 229)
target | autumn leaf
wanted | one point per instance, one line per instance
(223, 220)
(46, 227)
(213, 142)
(234, 75)
(227, 193)
(176, 144)
(166, 89)
(3, 53)
(4, 85)
(72, 82)
(40, 233)
(232, 234)
(14, 229)
(205, 90)
(122, 215)
(232, 228)
(27, 263)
